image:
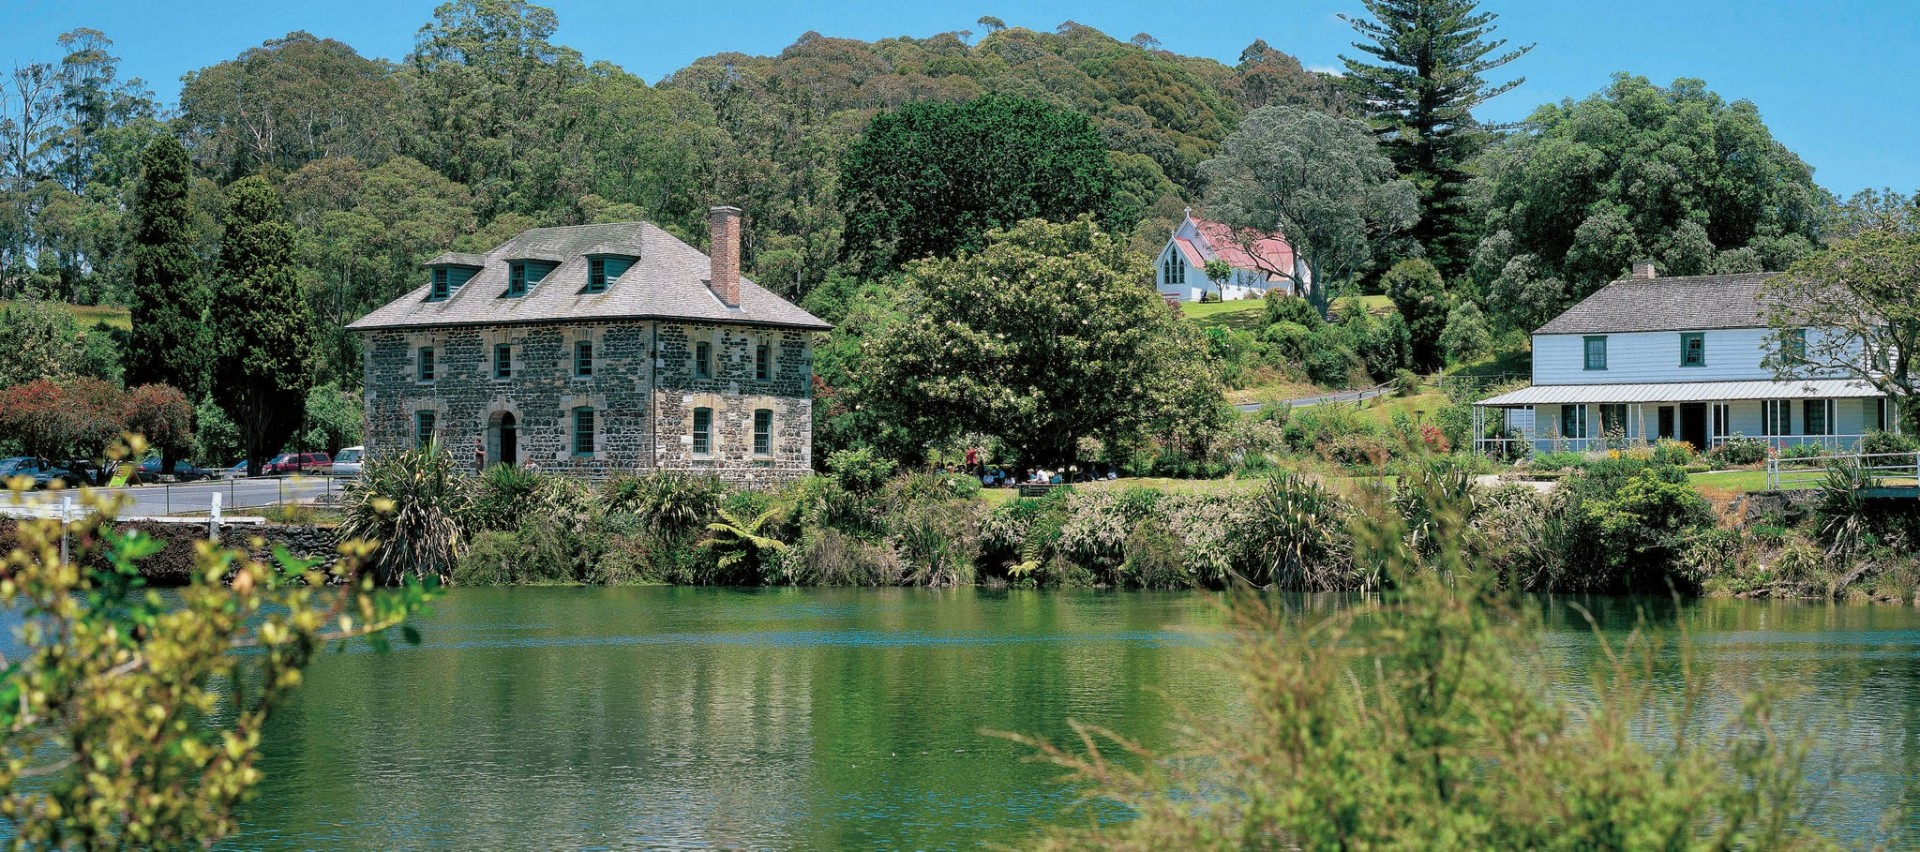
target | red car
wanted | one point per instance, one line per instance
(297, 463)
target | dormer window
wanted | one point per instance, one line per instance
(597, 275)
(447, 278)
(523, 274)
(603, 270)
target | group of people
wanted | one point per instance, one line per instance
(994, 476)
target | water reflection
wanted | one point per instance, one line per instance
(852, 718)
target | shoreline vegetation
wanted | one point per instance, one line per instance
(1628, 521)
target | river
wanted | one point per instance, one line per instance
(819, 718)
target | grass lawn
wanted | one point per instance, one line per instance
(1421, 407)
(1372, 304)
(90, 315)
(1508, 363)
(999, 496)
(1243, 314)
(1722, 485)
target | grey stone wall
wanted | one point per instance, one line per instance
(733, 392)
(630, 408)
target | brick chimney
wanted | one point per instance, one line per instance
(724, 226)
(1642, 270)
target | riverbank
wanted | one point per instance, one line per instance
(1612, 525)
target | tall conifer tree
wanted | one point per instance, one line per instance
(264, 368)
(1420, 86)
(169, 340)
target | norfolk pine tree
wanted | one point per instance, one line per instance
(1420, 97)
(263, 370)
(170, 338)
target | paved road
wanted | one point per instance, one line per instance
(1303, 402)
(197, 497)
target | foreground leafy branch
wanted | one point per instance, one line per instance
(133, 718)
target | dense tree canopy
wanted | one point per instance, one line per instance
(1424, 77)
(930, 179)
(1852, 311)
(1319, 180)
(289, 102)
(1042, 338)
(1675, 174)
(263, 369)
(170, 336)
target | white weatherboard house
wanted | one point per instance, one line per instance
(1647, 358)
(1261, 262)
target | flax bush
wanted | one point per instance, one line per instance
(413, 504)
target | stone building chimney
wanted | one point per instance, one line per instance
(724, 228)
(1642, 269)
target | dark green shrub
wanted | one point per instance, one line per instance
(1287, 339)
(1330, 361)
(1737, 451)
(1356, 450)
(674, 503)
(492, 559)
(1878, 443)
(1282, 308)
(861, 471)
(1154, 558)
(1558, 461)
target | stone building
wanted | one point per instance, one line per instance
(596, 349)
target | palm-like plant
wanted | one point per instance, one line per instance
(411, 503)
(738, 545)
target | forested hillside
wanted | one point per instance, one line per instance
(487, 127)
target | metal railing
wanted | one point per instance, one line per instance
(181, 498)
(1876, 470)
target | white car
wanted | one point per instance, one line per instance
(347, 463)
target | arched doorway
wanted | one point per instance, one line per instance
(503, 439)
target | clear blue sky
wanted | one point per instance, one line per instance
(1835, 80)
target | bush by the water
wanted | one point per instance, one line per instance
(1424, 722)
(1615, 525)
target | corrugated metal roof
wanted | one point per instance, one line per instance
(1684, 392)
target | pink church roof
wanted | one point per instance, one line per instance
(1271, 252)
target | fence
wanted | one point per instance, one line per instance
(179, 498)
(1876, 470)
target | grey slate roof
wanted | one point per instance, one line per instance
(1685, 303)
(668, 280)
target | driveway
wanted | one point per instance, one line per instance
(197, 497)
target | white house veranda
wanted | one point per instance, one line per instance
(1834, 414)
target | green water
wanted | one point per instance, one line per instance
(562, 718)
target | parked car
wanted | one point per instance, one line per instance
(183, 471)
(44, 473)
(297, 463)
(348, 462)
(88, 471)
